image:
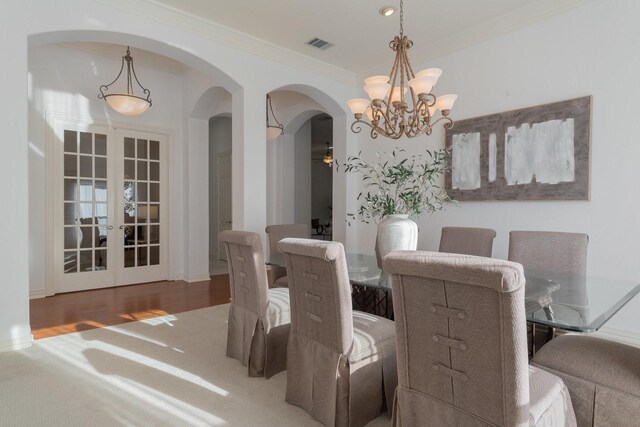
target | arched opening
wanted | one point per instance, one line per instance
(301, 187)
(65, 71)
(214, 110)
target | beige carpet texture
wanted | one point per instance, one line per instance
(167, 371)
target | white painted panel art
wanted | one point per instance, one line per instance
(493, 154)
(542, 152)
(465, 161)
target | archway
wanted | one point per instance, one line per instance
(183, 204)
(281, 152)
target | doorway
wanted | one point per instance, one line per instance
(108, 226)
(220, 207)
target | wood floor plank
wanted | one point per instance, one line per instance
(78, 311)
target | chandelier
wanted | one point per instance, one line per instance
(393, 109)
(127, 103)
(273, 131)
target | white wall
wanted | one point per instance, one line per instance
(590, 50)
(66, 80)
(219, 142)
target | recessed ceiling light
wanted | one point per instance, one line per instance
(387, 11)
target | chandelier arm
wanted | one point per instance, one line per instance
(357, 129)
(387, 121)
(447, 125)
(101, 95)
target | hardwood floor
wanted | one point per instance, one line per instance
(80, 311)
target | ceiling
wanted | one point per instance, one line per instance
(360, 35)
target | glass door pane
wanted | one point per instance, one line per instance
(85, 202)
(142, 203)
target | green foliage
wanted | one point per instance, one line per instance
(398, 184)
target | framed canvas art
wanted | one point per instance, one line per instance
(536, 153)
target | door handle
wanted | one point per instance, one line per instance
(109, 227)
(121, 227)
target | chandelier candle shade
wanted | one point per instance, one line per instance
(127, 103)
(387, 111)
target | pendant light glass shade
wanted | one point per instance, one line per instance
(127, 104)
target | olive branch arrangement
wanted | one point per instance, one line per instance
(399, 184)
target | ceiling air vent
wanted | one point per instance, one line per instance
(319, 43)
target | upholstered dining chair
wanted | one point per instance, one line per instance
(603, 378)
(259, 317)
(467, 240)
(275, 233)
(550, 251)
(556, 253)
(341, 364)
(461, 345)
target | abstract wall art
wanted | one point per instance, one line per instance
(536, 153)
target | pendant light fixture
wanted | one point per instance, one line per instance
(127, 103)
(273, 131)
(328, 156)
(403, 102)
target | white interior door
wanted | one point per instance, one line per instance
(141, 207)
(224, 197)
(83, 206)
(109, 206)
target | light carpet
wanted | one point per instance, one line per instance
(167, 371)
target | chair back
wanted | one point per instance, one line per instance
(247, 270)
(548, 251)
(461, 336)
(467, 240)
(275, 233)
(319, 292)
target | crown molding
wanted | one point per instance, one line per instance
(532, 13)
(210, 30)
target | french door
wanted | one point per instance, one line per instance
(109, 207)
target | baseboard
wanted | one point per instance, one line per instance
(40, 293)
(201, 278)
(613, 334)
(16, 344)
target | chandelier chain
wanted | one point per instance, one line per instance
(401, 20)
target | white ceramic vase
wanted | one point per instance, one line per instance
(395, 233)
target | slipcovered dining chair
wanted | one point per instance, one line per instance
(259, 317)
(461, 342)
(554, 253)
(550, 251)
(275, 233)
(341, 365)
(603, 378)
(467, 240)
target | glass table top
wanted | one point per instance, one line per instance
(574, 302)
(559, 300)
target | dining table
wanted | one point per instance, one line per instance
(563, 301)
